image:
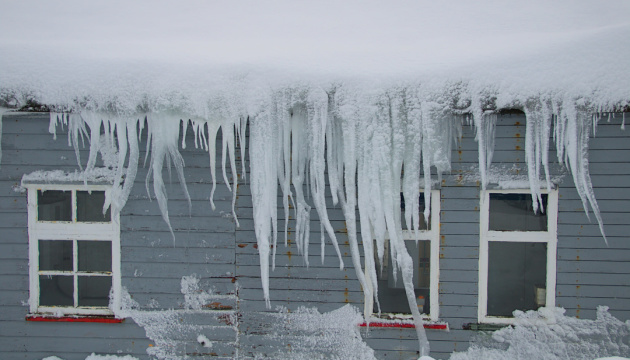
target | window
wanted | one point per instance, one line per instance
(74, 250)
(425, 254)
(517, 253)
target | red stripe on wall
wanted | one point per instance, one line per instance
(90, 319)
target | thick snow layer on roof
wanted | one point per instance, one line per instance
(118, 50)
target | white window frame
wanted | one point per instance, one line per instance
(433, 236)
(550, 237)
(75, 231)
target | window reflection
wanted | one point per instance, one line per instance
(515, 212)
(54, 205)
(90, 206)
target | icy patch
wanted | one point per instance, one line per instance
(313, 335)
(548, 334)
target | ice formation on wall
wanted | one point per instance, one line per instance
(173, 338)
(315, 335)
(365, 145)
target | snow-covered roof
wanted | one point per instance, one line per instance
(118, 53)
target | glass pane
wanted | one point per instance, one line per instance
(515, 212)
(54, 205)
(94, 290)
(95, 255)
(90, 207)
(56, 290)
(391, 293)
(423, 224)
(517, 276)
(55, 255)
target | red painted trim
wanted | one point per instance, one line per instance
(404, 325)
(90, 319)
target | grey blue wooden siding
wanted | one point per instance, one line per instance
(225, 257)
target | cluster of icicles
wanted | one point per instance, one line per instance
(366, 150)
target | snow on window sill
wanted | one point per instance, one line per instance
(109, 319)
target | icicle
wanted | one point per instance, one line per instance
(164, 130)
(299, 166)
(317, 118)
(623, 122)
(264, 190)
(485, 126)
(575, 148)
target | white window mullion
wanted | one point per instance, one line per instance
(75, 269)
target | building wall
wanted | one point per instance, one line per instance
(225, 260)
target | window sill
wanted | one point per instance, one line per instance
(404, 325)
(74, 318)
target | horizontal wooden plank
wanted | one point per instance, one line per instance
(600, 291)
(207, 256)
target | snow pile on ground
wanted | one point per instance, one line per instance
(548, 334)
(313, 335)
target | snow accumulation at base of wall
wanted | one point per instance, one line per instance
(548, 334)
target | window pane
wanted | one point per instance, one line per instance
(391, 293)
(515, 212)
(56, 290)
(90, 206)
(54, 205)
(517, 276)
(95, 255)
(55, 255)
(94, 290)
(423, 224)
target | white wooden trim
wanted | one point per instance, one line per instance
(74, 231)
(550, 237)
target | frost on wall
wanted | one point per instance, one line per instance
(548, 334)
(313, 335)
(177, 333)
(364, 144)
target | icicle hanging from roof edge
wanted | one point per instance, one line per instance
(317, 112)
(344, 138)
(164, 130)
(126, 133)
(264, 177)
(411, 112)
(76, 128)
(300, 149)
(577, 125)
(485, 123)
(537, 133)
